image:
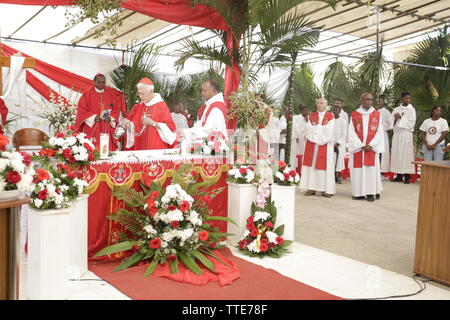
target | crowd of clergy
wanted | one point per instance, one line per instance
(322, 136)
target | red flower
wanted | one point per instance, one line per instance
(251, 226)
(184, 206)
(243, 170)
(279, 240)
(293, 173)
(91, 156)
(269, 225)
(60, 135)
(282, 164)
(42, 175)
(175, 224)
(43, 194)
(13, 177)
(264, 240)
(254, 233)
(150, 202)
(171, 207)
(242, 244)
(263, 247)
(212, 244)
(152, 211)
(154, 195)
(88, 147)
(3, 142)
(67, 153)
(251, 168)
(172, 257)
(250, 219)
(194, 173)
(26, 158)
(203, 235)
(286, 176)
(155, 243)
(47, 152)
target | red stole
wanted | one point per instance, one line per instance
(369, 156)
(321, 160)
(150, 138)
(213, 105)
(3, 113)
(93, 103)
(200, 112)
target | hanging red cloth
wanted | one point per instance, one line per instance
(3, 114)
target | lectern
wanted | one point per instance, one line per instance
(9, 248)
(432, 256)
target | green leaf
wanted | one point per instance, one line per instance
(286, 243)
(279, 230)
(207, 263)
(189, 263)
(210, 253)
(174, 266)
(218, 218)
(128, 262)
(151, 268)
(118, 247)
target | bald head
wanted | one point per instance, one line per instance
(366, 100)
(321, 104)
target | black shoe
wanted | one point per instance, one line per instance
(407, 177)
(339, 180)
(370, 198)
(377, 196)
(399, 178)
(358, 198)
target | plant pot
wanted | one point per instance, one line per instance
(240, 199)
(284, 198)
(49, 267)
(10, 195)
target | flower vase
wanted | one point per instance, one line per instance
(240, 199)
(284, 198)
(49, 267)
(78, 237)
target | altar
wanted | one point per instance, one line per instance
(127, 169)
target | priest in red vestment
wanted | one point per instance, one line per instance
(149, 123)
(98, 112)
(3, 115)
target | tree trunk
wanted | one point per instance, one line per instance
(290, 108)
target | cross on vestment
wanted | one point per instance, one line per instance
(6, 62)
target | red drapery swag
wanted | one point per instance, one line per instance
(374, 122)
(174, 11)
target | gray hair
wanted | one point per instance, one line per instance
(146, 86)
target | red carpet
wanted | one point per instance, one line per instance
(255, 283)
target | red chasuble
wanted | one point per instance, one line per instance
(321, 160)
(150, 138)
(3, 113)
(374, 122)
(94, 103)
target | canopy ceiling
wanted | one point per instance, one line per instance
(345, 30)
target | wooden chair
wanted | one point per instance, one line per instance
(29, 138)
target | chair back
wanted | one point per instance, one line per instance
(29, 139)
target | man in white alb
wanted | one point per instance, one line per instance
(365, 143)
(340, 103)
(340, 141)
(385, 165)
(318, 158)
(403, 120)
(179, 118)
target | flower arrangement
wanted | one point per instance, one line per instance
(249, 110)
(242, 174)
(16, 169)
(261, 238)
(168, 226)
(60, 114)
(214, 144)
(285, 175)
(55, 189)
(70, 148)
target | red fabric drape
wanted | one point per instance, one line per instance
(174, 11)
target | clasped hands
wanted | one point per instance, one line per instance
(397, 116)
(98, 119)
(367, 148)
(150, 122)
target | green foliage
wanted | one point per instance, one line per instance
(189, 263)
(131, 197)
(151, 268)
(129, 220)
(207, 263)
(118, 247)
(130, 261)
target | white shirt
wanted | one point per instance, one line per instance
(407, 121)
(343, 115)
(385, 116)
(180, 120)
(434, 129)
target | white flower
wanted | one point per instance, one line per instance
(38, 202)
(261, 215)
(164, 244)
(246, 233)
(252, 247)
(291, 179)
(250, 176)
(194, 218)
(4, 163)
(25, 184)
(175, 215)
(279, 175)
(71, 141)
(297, 178)
(207, 150)
(272, 236)
(149, 229)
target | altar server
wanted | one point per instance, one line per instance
(340, 103)
(301, 121)
(3, 115)
(318, 158)
(403, 119)
(149, 123)
(340, 140)
(385, 120)
(365, 143)
(98, 111)
(178, 117)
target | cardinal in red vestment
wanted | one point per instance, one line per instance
(98, 112)
(149, 123)
(3, 115)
